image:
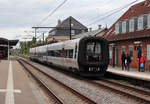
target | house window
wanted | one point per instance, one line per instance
(110, 52)
(131, 25)
(148, 52)
(123, 26)
(131, 50)
(123, 48)
(148, 21)
(140, 23)
(117, 28)
(72, 24)
(72, 32)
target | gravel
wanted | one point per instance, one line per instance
(92, 92)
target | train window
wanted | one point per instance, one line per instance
(71, 53)
(66, 53)
(51, 53)
(94, 47)
(93, 52)
(57, 53)
(97, 48)
(61, 53)
(90, 47)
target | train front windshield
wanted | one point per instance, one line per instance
(93, 52)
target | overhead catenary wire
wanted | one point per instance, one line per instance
(51, 13)
(104, 14)
(111, 13)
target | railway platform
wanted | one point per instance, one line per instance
(132, 73)
(15, 85)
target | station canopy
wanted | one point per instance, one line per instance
(4, 41)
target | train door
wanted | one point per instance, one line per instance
(75, 56)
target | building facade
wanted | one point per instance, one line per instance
(64, 29)
(131, 34)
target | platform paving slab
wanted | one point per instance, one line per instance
(16, 87)
(133, 73)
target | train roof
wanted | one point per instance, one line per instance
(69, 44)
(59, 45)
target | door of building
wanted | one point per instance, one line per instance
(116, 56)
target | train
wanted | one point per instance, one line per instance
(87, 56)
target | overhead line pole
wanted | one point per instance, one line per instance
(35, 35)
(70, 27)
(60, 28)
(43, 38)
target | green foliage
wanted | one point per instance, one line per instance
(25, 46)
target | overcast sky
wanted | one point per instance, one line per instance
(18, 16)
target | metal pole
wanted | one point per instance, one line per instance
(139, 64)
(43, 38)
(25, 46)
(35, 35)
(8, 50)
(70, 27)
(35, 39)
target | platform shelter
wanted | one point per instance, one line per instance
(5, 46)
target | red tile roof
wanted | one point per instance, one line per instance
(133, 11)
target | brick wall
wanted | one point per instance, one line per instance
(135, 61)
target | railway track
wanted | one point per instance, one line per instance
(139, 95)
(135, 94)
(61, 93)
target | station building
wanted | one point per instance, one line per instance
(128, 33)
(62, 30)
(5, 46)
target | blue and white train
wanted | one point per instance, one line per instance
(88, 56)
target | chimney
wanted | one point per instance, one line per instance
(99, 26)
(59, 21)
(90, 29)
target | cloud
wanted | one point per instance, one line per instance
(16, 16)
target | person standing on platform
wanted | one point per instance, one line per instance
(142, 63)
(123, 58)
(128, 58)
